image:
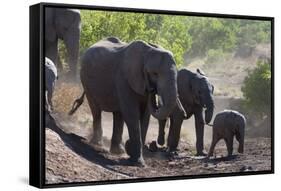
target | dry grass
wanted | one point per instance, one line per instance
(226, 75)
(64, 96)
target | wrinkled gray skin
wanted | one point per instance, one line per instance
(51, 76)
(64, 24)
(228, 124)
(196, 95)
(118, 77)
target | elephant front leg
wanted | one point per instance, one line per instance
(199, 128)
(144, 124)
(174, 132)
(133, 146)
(116, 140)
(50, 102)
(161, 132)
(130, 110)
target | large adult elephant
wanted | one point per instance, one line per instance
(64, 24)
(124, 78)
(195, 93)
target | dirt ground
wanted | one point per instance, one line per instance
(70, 157)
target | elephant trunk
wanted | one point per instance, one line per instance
(166, 101)
(210, 109)
(72, 47)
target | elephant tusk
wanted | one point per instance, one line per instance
(181, 107)
(159, 101)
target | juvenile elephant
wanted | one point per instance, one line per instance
(228, 124)
(195, 93)
(121, 78)
(64, 24)
(51, 76)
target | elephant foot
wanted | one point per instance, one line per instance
(136, 162)
(117, 149)
(209, 155)
(153, 146)
(161, 140)
(201, 153)
(172, 149)
(172, 154)
(229, 156)
(240, 150)
(97, 142)
(128, 147)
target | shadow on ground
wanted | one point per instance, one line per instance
(80, 146)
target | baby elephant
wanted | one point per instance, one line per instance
(228, 124)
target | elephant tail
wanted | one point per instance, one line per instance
(77, 104)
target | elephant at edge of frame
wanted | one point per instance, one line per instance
(51, 76)
(227, 124)
(64, 24)
(196, 95)
(125, 79)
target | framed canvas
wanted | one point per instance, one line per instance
(129, 95)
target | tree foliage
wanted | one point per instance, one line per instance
(182, 35)
(169, 32)
(256, 89)
(226, 34)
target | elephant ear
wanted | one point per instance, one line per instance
(192, 87)
(134, 66)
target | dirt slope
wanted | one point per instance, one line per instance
(70, 158)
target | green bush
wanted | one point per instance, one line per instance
(169, 32)
(182, 35)
(257, 89)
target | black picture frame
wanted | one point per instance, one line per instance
(37, 81)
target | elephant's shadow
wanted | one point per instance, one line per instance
(80, 146)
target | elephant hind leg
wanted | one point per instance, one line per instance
(241, 143)
(213, 144)
(116, 140)
(97, 128)
(229, 145)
